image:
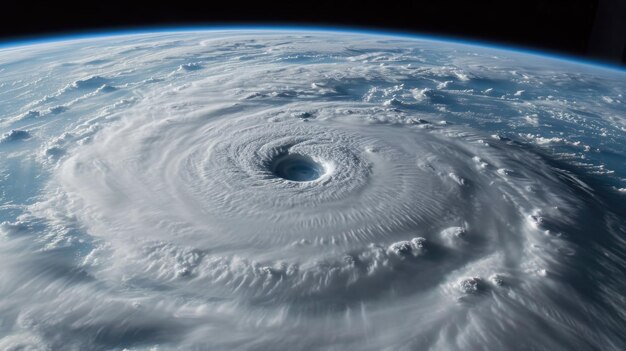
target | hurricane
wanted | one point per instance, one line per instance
(300, 189)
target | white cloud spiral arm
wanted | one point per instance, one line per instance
(167, 220)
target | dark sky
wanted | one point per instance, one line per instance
(586, 28)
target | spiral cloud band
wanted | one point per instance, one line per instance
(272, 189)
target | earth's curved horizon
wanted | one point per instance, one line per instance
(308, 188)
(57, 37)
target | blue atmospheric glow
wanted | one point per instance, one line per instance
(305, 28)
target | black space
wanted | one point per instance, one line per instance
(587, 28)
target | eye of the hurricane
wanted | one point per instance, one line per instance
(297, 168)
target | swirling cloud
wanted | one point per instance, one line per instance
(288, 190)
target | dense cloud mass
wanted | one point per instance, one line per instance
(266, 190)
